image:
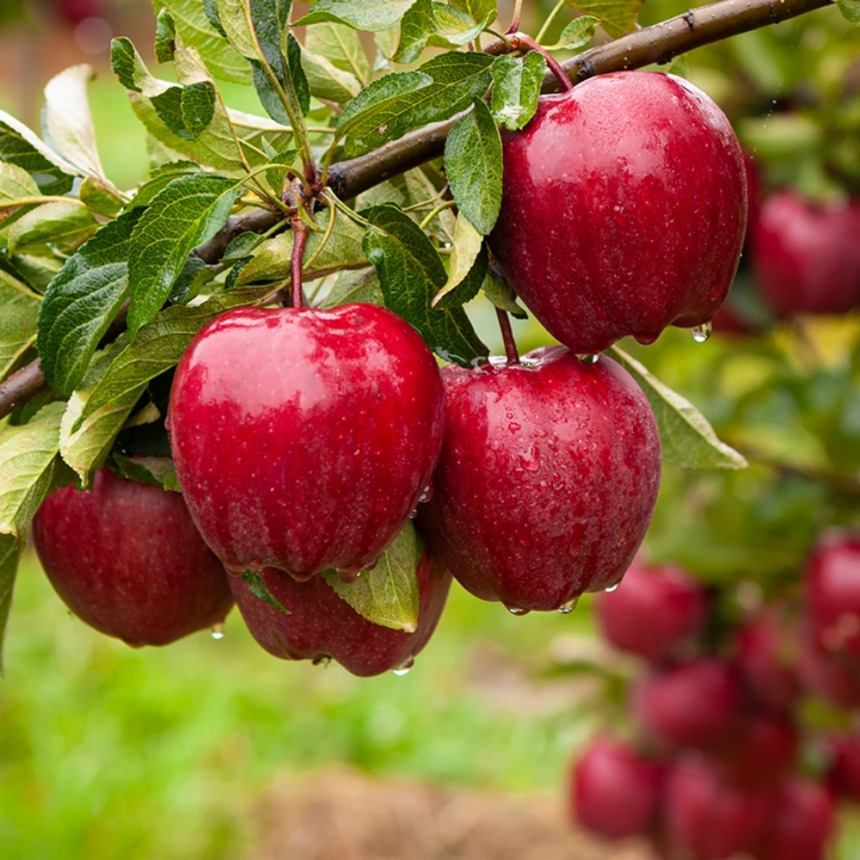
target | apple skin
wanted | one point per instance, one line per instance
(321, 625)
(614, 790)
(547, 480)
(655, 611)
(303, 439)
(127, 559)
(801, 825)
(623, 210)
(844, 771)
(805, 256)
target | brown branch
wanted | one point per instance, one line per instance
(656, 44)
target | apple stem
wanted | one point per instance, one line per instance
(511, 352)
(300, 238)
(524, 42)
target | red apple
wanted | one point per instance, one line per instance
(127, 559)
(805, 255)
(547, 480)
(691, 705)
(623, 210)
(303, 439)
(320, 625)
(844, 772)
(614, 791)
(801, 825)
(75, 11)
(654, 612)
(824, 674)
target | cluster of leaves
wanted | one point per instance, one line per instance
(106, 286)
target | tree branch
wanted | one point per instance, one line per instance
(656, 44)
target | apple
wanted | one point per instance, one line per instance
(127, 559)
(824, 674)
(801, 825)
(844, 770)
(614, 790)
(696, 704)
(804, 254)
(832, 580)
(623, 209)
(318, 625)
(303, 439)
(654, 612)
(547, 479)
(75, 11)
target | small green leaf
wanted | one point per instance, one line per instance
(411, 273)
(100, 197)
(388, 594)
(156, 471)
(188, 212)
(850, 10)
(687, 438)
(81, 302)
(327, 81)
(356, 285)
(165, 36)
(160, 178)
(257, 586)
(617, 17)
(372, 15)
(374, 97)
(61, 224)
(416, 28)
(500, 293)
(20, 146)
(18, 311)
(465, 252)
(16, 186)
(516, 88)
(28, 459)
(473, 164)
(577, 34)
(341, 46)
(10, 553)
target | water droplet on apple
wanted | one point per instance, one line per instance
(404, 667)
(531, 459)
(612, 588)
(567, 608)
(413, 513)
(516, 610)
(513, 426)
(426, 494)
(217, 631)
(348, 575)
(589, 358)
(702, 332)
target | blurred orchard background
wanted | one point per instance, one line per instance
(213, 749)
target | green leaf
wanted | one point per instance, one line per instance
(18, 312)
(388, 594)
(100, 197)
(28, 459)
(473, 164)
(342, 47)
(326, 81)
(257, 586)
(194, 28)
(418, 25)
(439, 24)
(480, 11)
(188, 212)
(118, 376)
(61, 224)
(687, 438)
(82, 301)
(10, 553)
(378, 95)
(617, 17)
(156, 471)
(457, 79)
(165, 36)
(355, 285)
(850, 10)
(15, 185)
(198, 108)
(516, 88)
(577, 34)
(372, 15)
(20, 146)
(466, 250)
(68, 125)
(160, 178)
(411, 273)
(501, 294)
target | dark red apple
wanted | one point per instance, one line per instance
(844, 771)
(75, 11)
(805, 255)
(692, 705)
(547, 480)
(614, 790)
(623, 210)
(824, 674)
(654, 611)
(707, 818)
(801, 825)
(320, 625)
(832, 579)
(303, 439)
(127, 559)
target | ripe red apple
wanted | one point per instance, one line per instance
(823, 673)
(832, 580)
(75, 11)
(805, 255)
(127, 559)
(844, 771)
(303, 439)
(320, 625)
(654, 611)
(547, 480)
(614, 790)
(707, 818)
(801, 825)
(692, 705)
(623, 210)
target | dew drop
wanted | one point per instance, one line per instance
(404, 667)
(513, 426)
(589, 357)
(217, 631)
(530, 461)
(516, 610)
(612, 588)
(702, 332)
(348, 575)
(524, 539)
(426, 494)
(413, 513)
(567, 608)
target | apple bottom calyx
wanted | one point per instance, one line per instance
(316, 624)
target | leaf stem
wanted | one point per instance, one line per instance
(522, 41)
(549, 19)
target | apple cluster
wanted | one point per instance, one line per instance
(744, 737)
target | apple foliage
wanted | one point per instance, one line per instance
(378, 131)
